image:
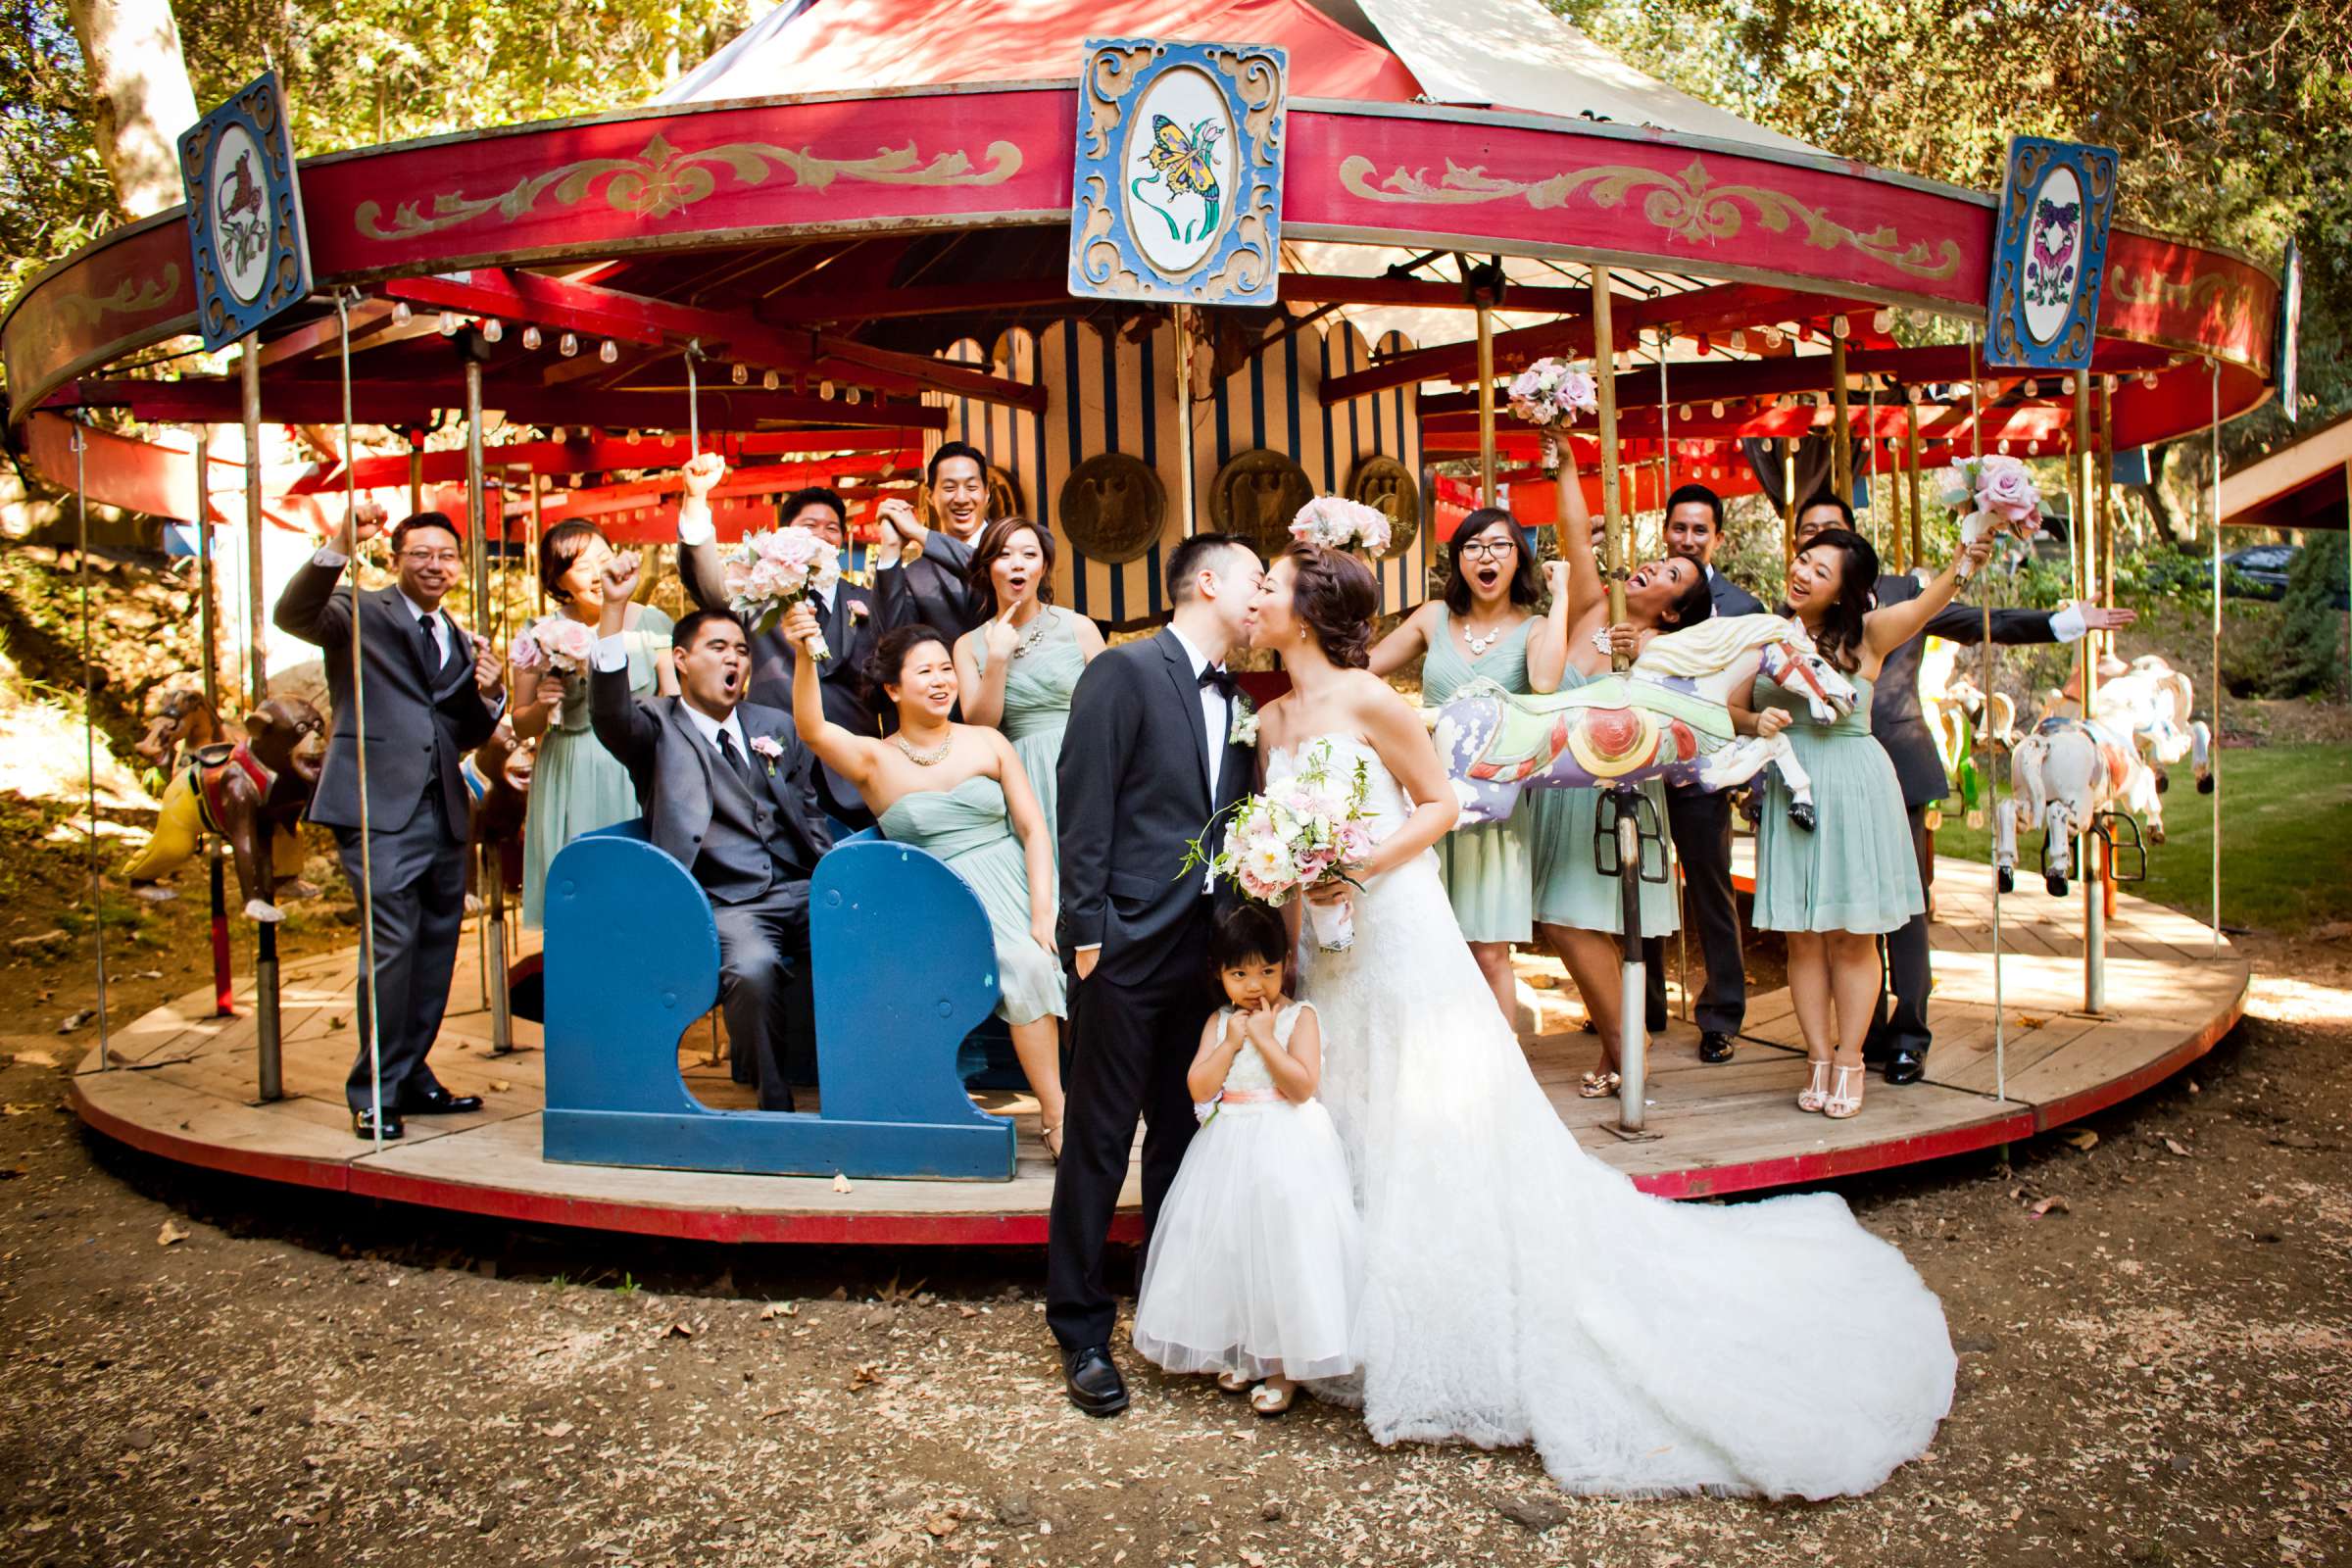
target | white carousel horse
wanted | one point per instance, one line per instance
(1665, 718)
(2063, 776)
(2151, 702)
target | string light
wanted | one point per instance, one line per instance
(532, 338)
(609, 351)
(824, 389)
(1883, 321)
(493, 329)
(1717, 409)
(771, 381)
(568, 344)
(742, 372)
(401, 314)
(449, 323)
(1839, 327)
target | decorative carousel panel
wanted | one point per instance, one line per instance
(1177, 189)
(1112, 508)
(1255, 495)
(2050, 254)
(128, 290)
(244, 213)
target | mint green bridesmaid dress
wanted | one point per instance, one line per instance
(967, 827)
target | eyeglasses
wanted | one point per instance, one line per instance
(1488, 550)
(426, 557)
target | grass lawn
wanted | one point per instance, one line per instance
(2287, 825)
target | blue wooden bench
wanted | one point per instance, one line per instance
(905, 968)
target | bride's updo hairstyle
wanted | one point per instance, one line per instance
(1332, 594)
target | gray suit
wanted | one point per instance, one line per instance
(751, 844)
(849, 632)
(423, 720)
(931, 589)
(1896, 721)
(1701, 825)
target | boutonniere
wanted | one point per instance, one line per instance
(1245, 722)
(767, 749)
(859, 611)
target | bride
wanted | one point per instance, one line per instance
(1517, 1289)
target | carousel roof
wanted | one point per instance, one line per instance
(1511, 54)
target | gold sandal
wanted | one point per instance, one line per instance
(1598, 1085)
(1817, 1087)
(1235, 1383)
(1846, 1092)
(1268, 1400)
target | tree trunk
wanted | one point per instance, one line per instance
(141, 100)
(2151, 495)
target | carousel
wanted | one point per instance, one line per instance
(824, 285)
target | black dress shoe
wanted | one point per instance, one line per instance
(1094, 1382)
(1716, 1046)
(362, 1125)
(1906, 1066)
(439, 1102)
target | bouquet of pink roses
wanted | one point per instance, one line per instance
(1337, 523)
(1993, 495)
(1549, 390)
(555, 642)
(1303, 830)
(774, 566)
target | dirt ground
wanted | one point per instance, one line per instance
(2154, 1312)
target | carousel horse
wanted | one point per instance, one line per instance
(253, 794)
(2152, 703)
(2066, 778)
(1956, 714)
(1665, 718)
(183, 723)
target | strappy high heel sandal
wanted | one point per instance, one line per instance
(1235, 1383)
(1598, 1085)
(1268, 1400)
(1051, 1138)
(1845, 1092)
(1817, 1087)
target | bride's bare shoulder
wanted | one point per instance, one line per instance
(1367, 692)
(1274, 718)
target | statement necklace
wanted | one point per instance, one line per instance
(1479, 645)
(929, 758)
(1036, 632)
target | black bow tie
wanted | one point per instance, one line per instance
(1221, 678)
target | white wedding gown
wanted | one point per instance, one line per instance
(1517, 1289)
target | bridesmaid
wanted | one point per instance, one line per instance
(1577, 907)
(1486, 629)
(578, 786)
(1855, 876)
(958, 791)
(1017, 669)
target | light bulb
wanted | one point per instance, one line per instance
(636, 436)
(1917, 394)
(401, 314)
(493, 329)
(770, 380)
(568, 344)
(608, 350)
(1839, 327)
(1738, 341)
(2032, 388)
(1717, 409)
(2033, 448)
(2004, 449)
(2148, 379)
(449, 323)
(1684, 414)
(532, 338)
(1883, 321)
(854, 394)
(824, 389)
(742, 372)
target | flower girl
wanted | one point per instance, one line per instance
(1253, 1265)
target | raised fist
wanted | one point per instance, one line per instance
(620, 575)
(702, 473)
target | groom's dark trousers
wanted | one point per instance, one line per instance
(1134, 791)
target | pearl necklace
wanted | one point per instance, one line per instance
(929, 758)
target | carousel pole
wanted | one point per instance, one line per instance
(1486, 407)
(1666, 488)
(89, 734)
(208, 620)
(493, 932)
(1911, 458)
(1992, 785)
(415, 473)
(2214, 367)
(1632, 1002)
(1870, 441)
(1787, 500)
(1841, 421)
(1184, 419)
(2094, 862)
(267, 1060)
(359, 730)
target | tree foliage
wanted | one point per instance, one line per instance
(2304, 654)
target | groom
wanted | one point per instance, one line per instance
(1149, 760)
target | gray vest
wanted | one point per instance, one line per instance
(734, 864)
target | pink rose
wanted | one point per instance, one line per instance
(2007, 487)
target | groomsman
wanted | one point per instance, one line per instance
(922, 572)
(433, 695)
(729, 793)
(847, 619)
(1700, 821)
(1150, 759)
(1899, 1035)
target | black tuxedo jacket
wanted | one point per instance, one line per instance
(1731, 599)
(1895, 712)
(420, 722)
(1134, 792)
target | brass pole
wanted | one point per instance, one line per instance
(1911, 456)
(1633, 992)
(1787, 500)
(249, 375)
(2094, 866)
(1992, 785)
(1184, 422)
(208, 613)
(1842, 424)
(1486, 407)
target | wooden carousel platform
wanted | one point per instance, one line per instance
(181, 1085)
